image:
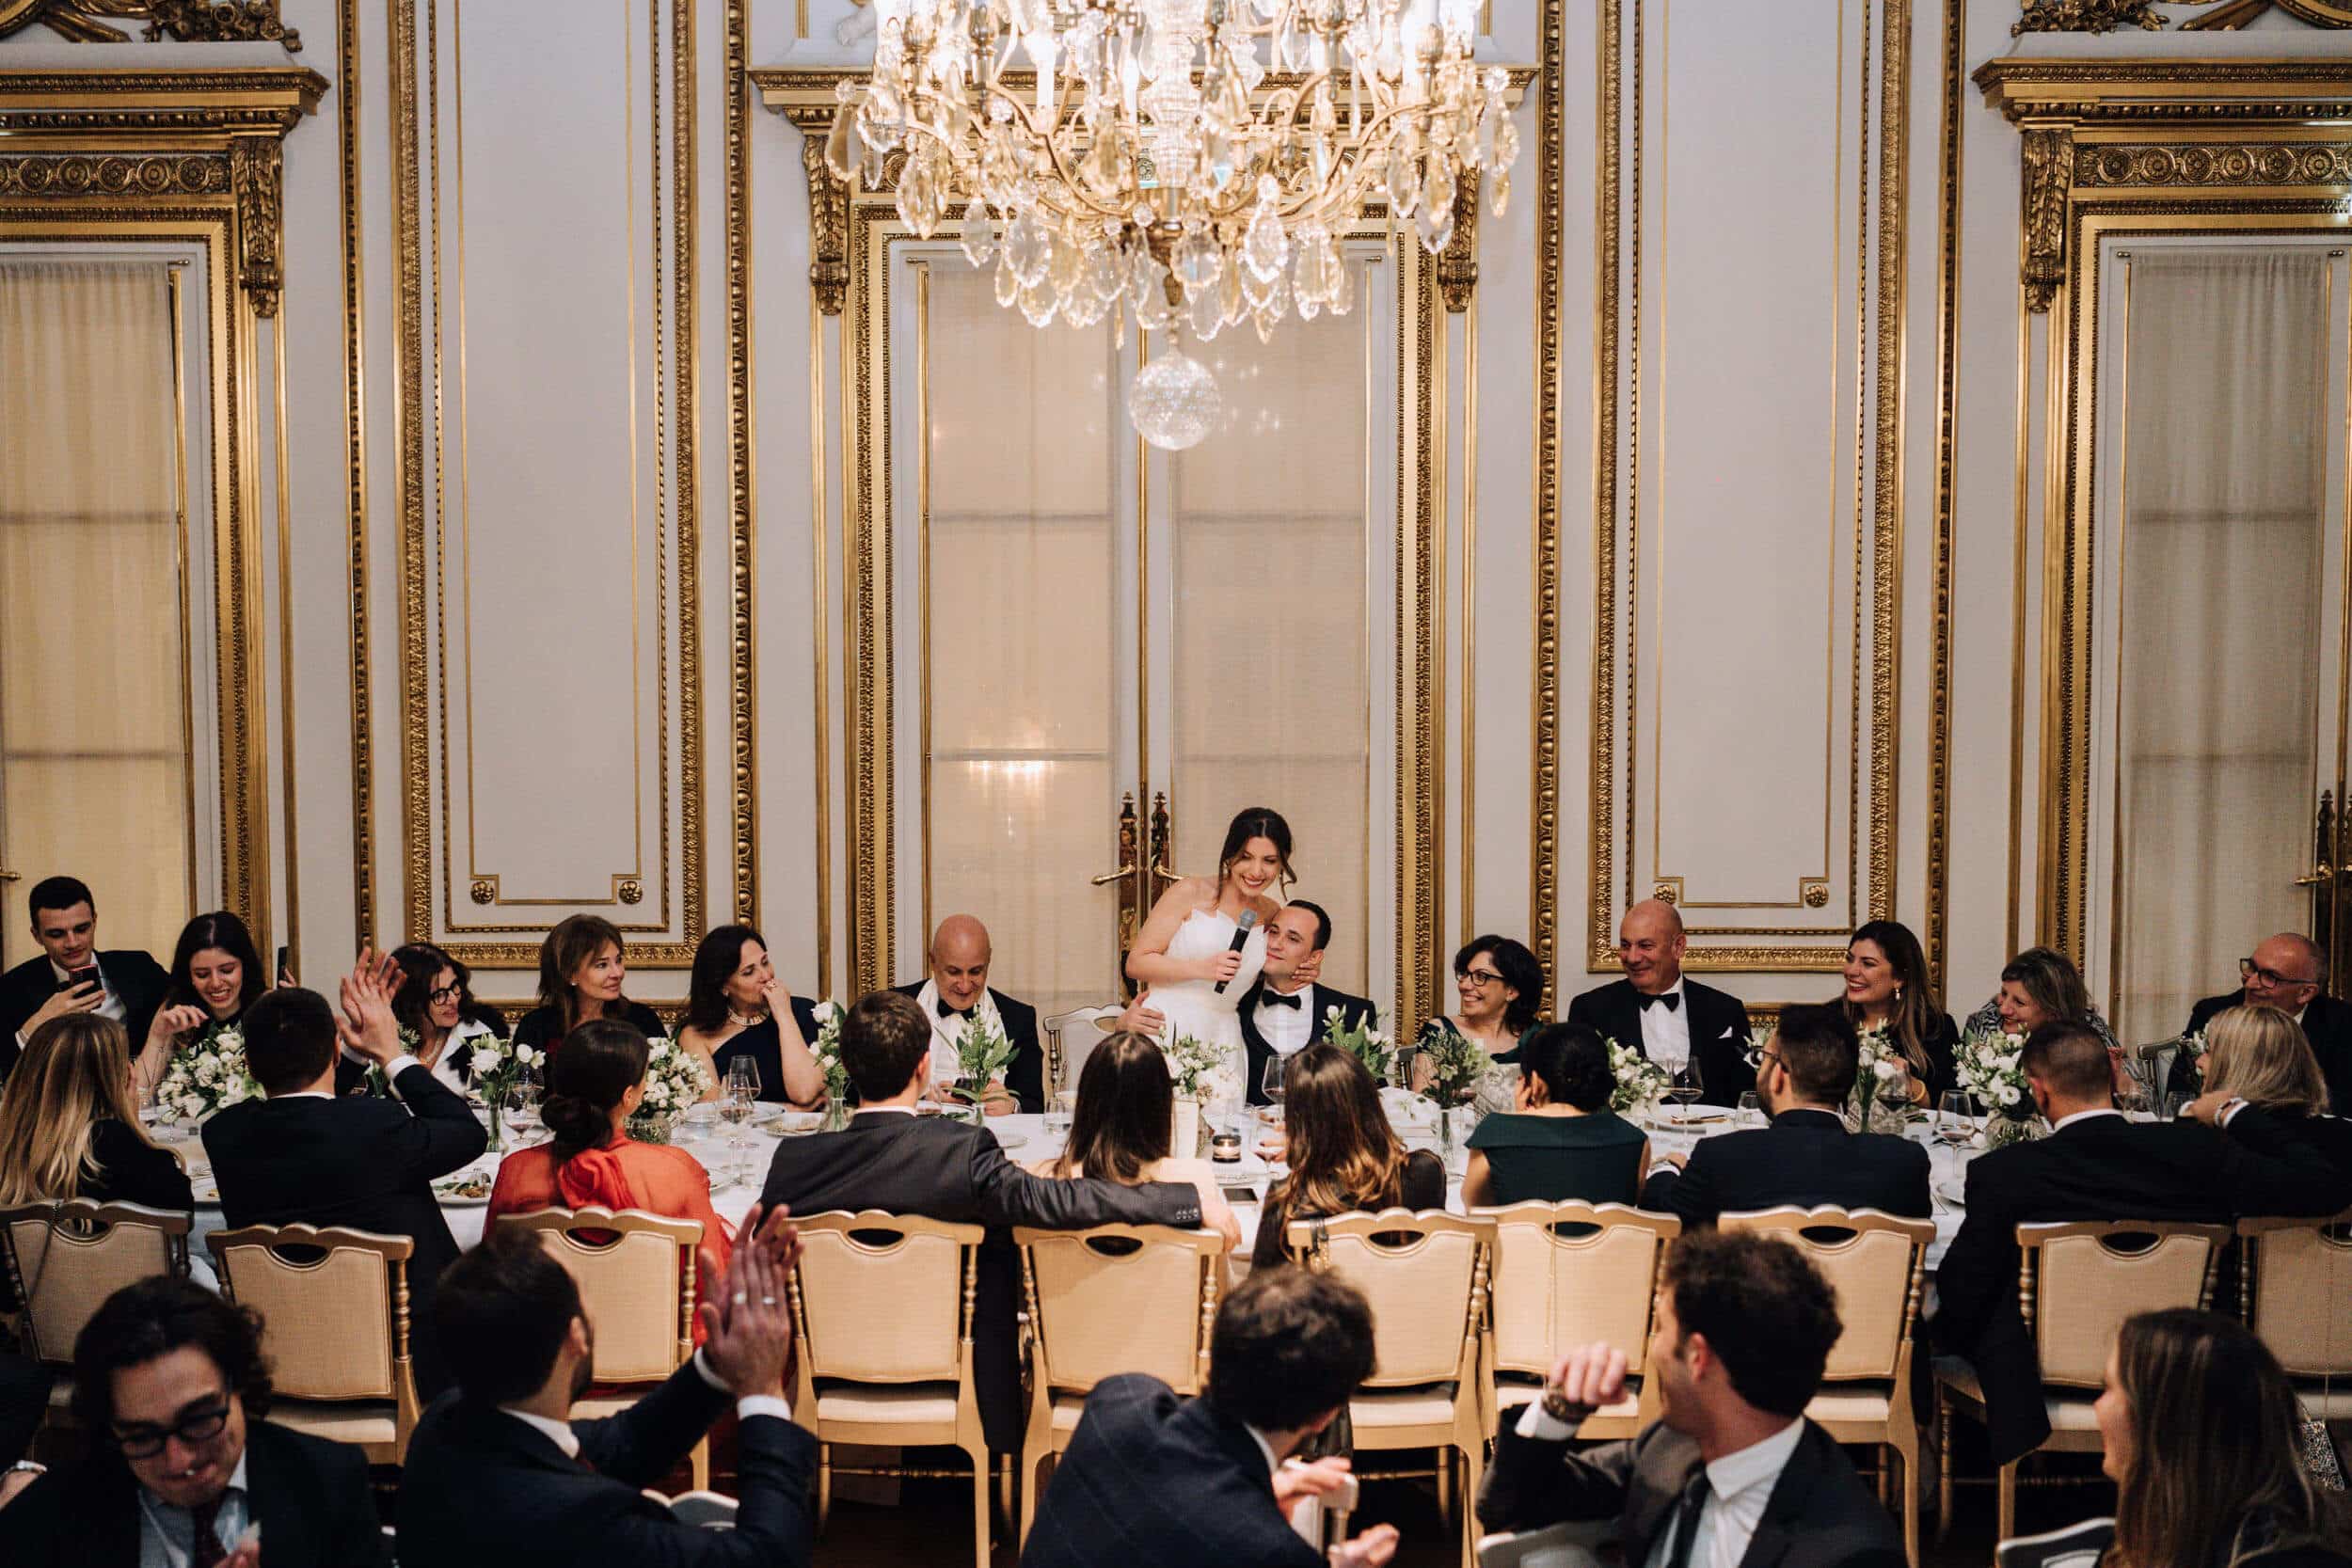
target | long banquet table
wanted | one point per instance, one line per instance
(736, 1176)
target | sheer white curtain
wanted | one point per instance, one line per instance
(94, 744)
(1023, 662)
(2224, 490)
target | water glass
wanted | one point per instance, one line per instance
(2134, 1105)
(1751, 1109)
(2176, 1103)
(1060, 1113)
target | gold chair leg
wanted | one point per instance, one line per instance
(1006, 1508)
(698, 1466)
(980, 1475)
(1472, 1464)
(824, 1485)
(1886, 1480)
(2005, 1520)
(1942, 1467)
(1911, 1509)
(1445, 1483)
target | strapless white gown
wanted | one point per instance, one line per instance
(1196, 1007)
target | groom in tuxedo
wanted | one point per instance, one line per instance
(1286, 1010)
(1671, 1020)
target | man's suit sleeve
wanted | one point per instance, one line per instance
(1980, 1268)
(645, 1442)
(771, 1521)
(354, 1533)
(1694, 1196)
(1006, 1195)
(1917, 1202)
(2268, 1171)
(1025, 1076)
(1534, 1483)
(439, 1133)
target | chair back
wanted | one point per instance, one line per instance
(334, 1306)
(1572, 1274)
(1121, 1298)
(1426, 1275)
(1070, 1040)
(2150, 1066)
(883, 1298)
(66, 1259)
(2081, 1278)
(2296, 1288)
(1877, 1264)
(636, 1272)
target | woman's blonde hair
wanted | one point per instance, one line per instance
(76, 1072)
(2260, 1055)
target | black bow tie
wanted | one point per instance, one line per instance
(1670, 1001)
(946, 1011)
(1276, 999)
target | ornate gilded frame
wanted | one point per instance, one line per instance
(109, 156)
(2134, 146)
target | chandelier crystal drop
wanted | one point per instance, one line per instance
(1173, 401)
(1188, 163)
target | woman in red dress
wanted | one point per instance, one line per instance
(592, 1084)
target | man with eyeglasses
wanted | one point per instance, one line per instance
(1673, 1022)
(182, 1472)
(2286, 971)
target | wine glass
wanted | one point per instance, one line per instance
(521, 1104)
(1273, 1079)
(739, 1097)
(2134, 1105)
(1751, 1109)
(1955, 1119)
(1684, 1089)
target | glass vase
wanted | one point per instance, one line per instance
(498, 1129)
(836, 1113)
(2000, 1132)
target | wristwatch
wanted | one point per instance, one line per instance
(1561, 1409)
(28, 1466)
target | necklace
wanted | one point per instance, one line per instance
(741, 1022)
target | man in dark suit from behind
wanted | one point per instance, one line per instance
(501, 1476)
(2096, 1164)
(954, 992)
(889, 1158)
(169, 1386)
(71, 975)
(1805, 1157)
(1288, 1009)
(1673, 1021)
(302, 1156)
(1731, 1472)
(1150, 1480)
(2287, 972)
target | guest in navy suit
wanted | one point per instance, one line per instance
(1150, 1480)
(71, 975)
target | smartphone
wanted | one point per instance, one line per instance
(77, 978)
(285, 959)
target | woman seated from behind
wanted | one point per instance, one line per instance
(1120, 1130)
(1344, 1155)
(70, 1123)
(2199, 1427)
(1560, 1140)
(593, 1084)
(2261, 1055)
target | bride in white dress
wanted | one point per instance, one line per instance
(1186, 946)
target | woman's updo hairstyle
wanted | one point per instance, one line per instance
(599, 1063)
(1571, 1063)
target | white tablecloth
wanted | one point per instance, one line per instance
(736, 1178)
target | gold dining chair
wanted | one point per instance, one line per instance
(2294, 1291)
(64, 1259)
(1573, 1274)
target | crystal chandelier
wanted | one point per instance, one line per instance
(1190, 162)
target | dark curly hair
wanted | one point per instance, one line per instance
(1766, 1314)
(151, 1317)
(1519, 970)
(1571, 1063)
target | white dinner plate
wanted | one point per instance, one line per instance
(456, 1201)
(1952, 1191)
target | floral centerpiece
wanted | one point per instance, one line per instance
(1456, 1065)
(1640, 1083)
(826, 1048)
(675, 1079)
(1869, 1108)
(493, 1068)
(2191, 1057)
(1363, 1043)
(1192, 1066)
(982, 1058)
(207, 1074)
(1987, 1065)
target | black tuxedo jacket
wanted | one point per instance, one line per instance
(1026, 1077)
(1804, 1157)
(481, 1487)
(310, 1496)
(1356, 1012)
(1150, 1480)
(2103, 1168)
(1820, 1514)
(764, 1044)
(359, 1162)
(2326, 1024)
(1718, 1031)
(944, 1169)
(130, 975)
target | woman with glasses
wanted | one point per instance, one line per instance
(1499, 984)
(435, 1002)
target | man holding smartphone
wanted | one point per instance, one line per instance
(71, 975)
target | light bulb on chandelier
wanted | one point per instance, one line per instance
(1191, 164)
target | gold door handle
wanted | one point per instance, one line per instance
(1108, 877)
(2317, 875)
(10, 876)
(1166, 873)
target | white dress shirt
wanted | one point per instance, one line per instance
(1666, 1033)
(563, 1437)
(1287, 1030)
(168, 1531)
(1739, 1487)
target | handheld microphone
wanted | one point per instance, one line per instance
(1241, 940)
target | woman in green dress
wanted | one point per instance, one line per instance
(1560, 1141)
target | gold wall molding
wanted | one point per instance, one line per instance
(675, 359)
(1457, 265)
(2136, 147)
(2085, 16)
(1551, 166)
(102, 157)
(1947, 437)
(187, 21)
(356, 477)
(743, 477)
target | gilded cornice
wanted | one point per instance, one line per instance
(187, 21)
(2189, 92)
(63, 103)
(2085, 16)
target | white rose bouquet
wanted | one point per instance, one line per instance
(1640, 1083)
(1986, 1065)
(1881, 1066)
(206, 1075)
(1191, 1064)
(826, 1048)
(675, 1079)
(1366, 1044)
(493, 1065)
